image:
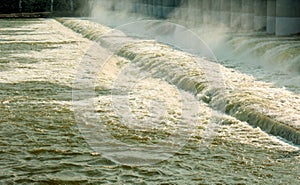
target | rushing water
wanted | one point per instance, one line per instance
(269, 58)
(171, 101)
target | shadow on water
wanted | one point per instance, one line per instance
(17, 23)
(39, 138)
(9, 52)
(35, 90)
(25, 47)
(40, 143)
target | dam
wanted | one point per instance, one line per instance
(152, 92)
(280, 17)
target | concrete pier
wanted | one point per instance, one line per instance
(198, 12)
(260, 15)
(225, 15)
(279, 17)
(195, 9)
(247, 14)
(157, 8)
(215, 11)
(207, 11)
(150, 7)
(287, 17)
(236, 7)
(271, 13)
(167, 7)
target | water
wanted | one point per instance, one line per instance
(224, 89)
(268, 58)
(43, 142)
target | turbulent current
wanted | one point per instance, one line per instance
(82, 103)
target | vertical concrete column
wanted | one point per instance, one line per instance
(177, 13)
(51, 6)
(167, 7)
(184, 11)
(112, 5)
(199, 12)
(150, 7)
(287, 17)
(191, 11)
(225, 12)
(120, 6)
(156, 8)
(235, 18)
(140, 6)
(260, 15)
(127, 5)
(131, 4)
(71, 5)
(247, 14)
(160, 8)
(216, 8)
(207, 11)
(188, 11)
(177, 2)
(144, 7)
(271, 16)
(137, 5)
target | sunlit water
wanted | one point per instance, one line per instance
(44, 139)
(268, 58)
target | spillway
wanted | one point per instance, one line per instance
(232, 92)
(100, 106)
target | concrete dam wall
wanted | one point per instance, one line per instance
(280, 17)
(30, 7)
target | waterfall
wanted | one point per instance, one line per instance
(20, 5)
(243, 98)
(72, 5)
(51, 8)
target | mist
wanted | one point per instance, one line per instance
(238, 40)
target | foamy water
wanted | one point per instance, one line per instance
(62, 119)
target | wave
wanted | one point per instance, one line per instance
(280, 53)
(272, 109)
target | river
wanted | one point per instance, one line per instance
(80, 108)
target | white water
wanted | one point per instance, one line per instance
(40, 140)
(242, 96)
(266, 57)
